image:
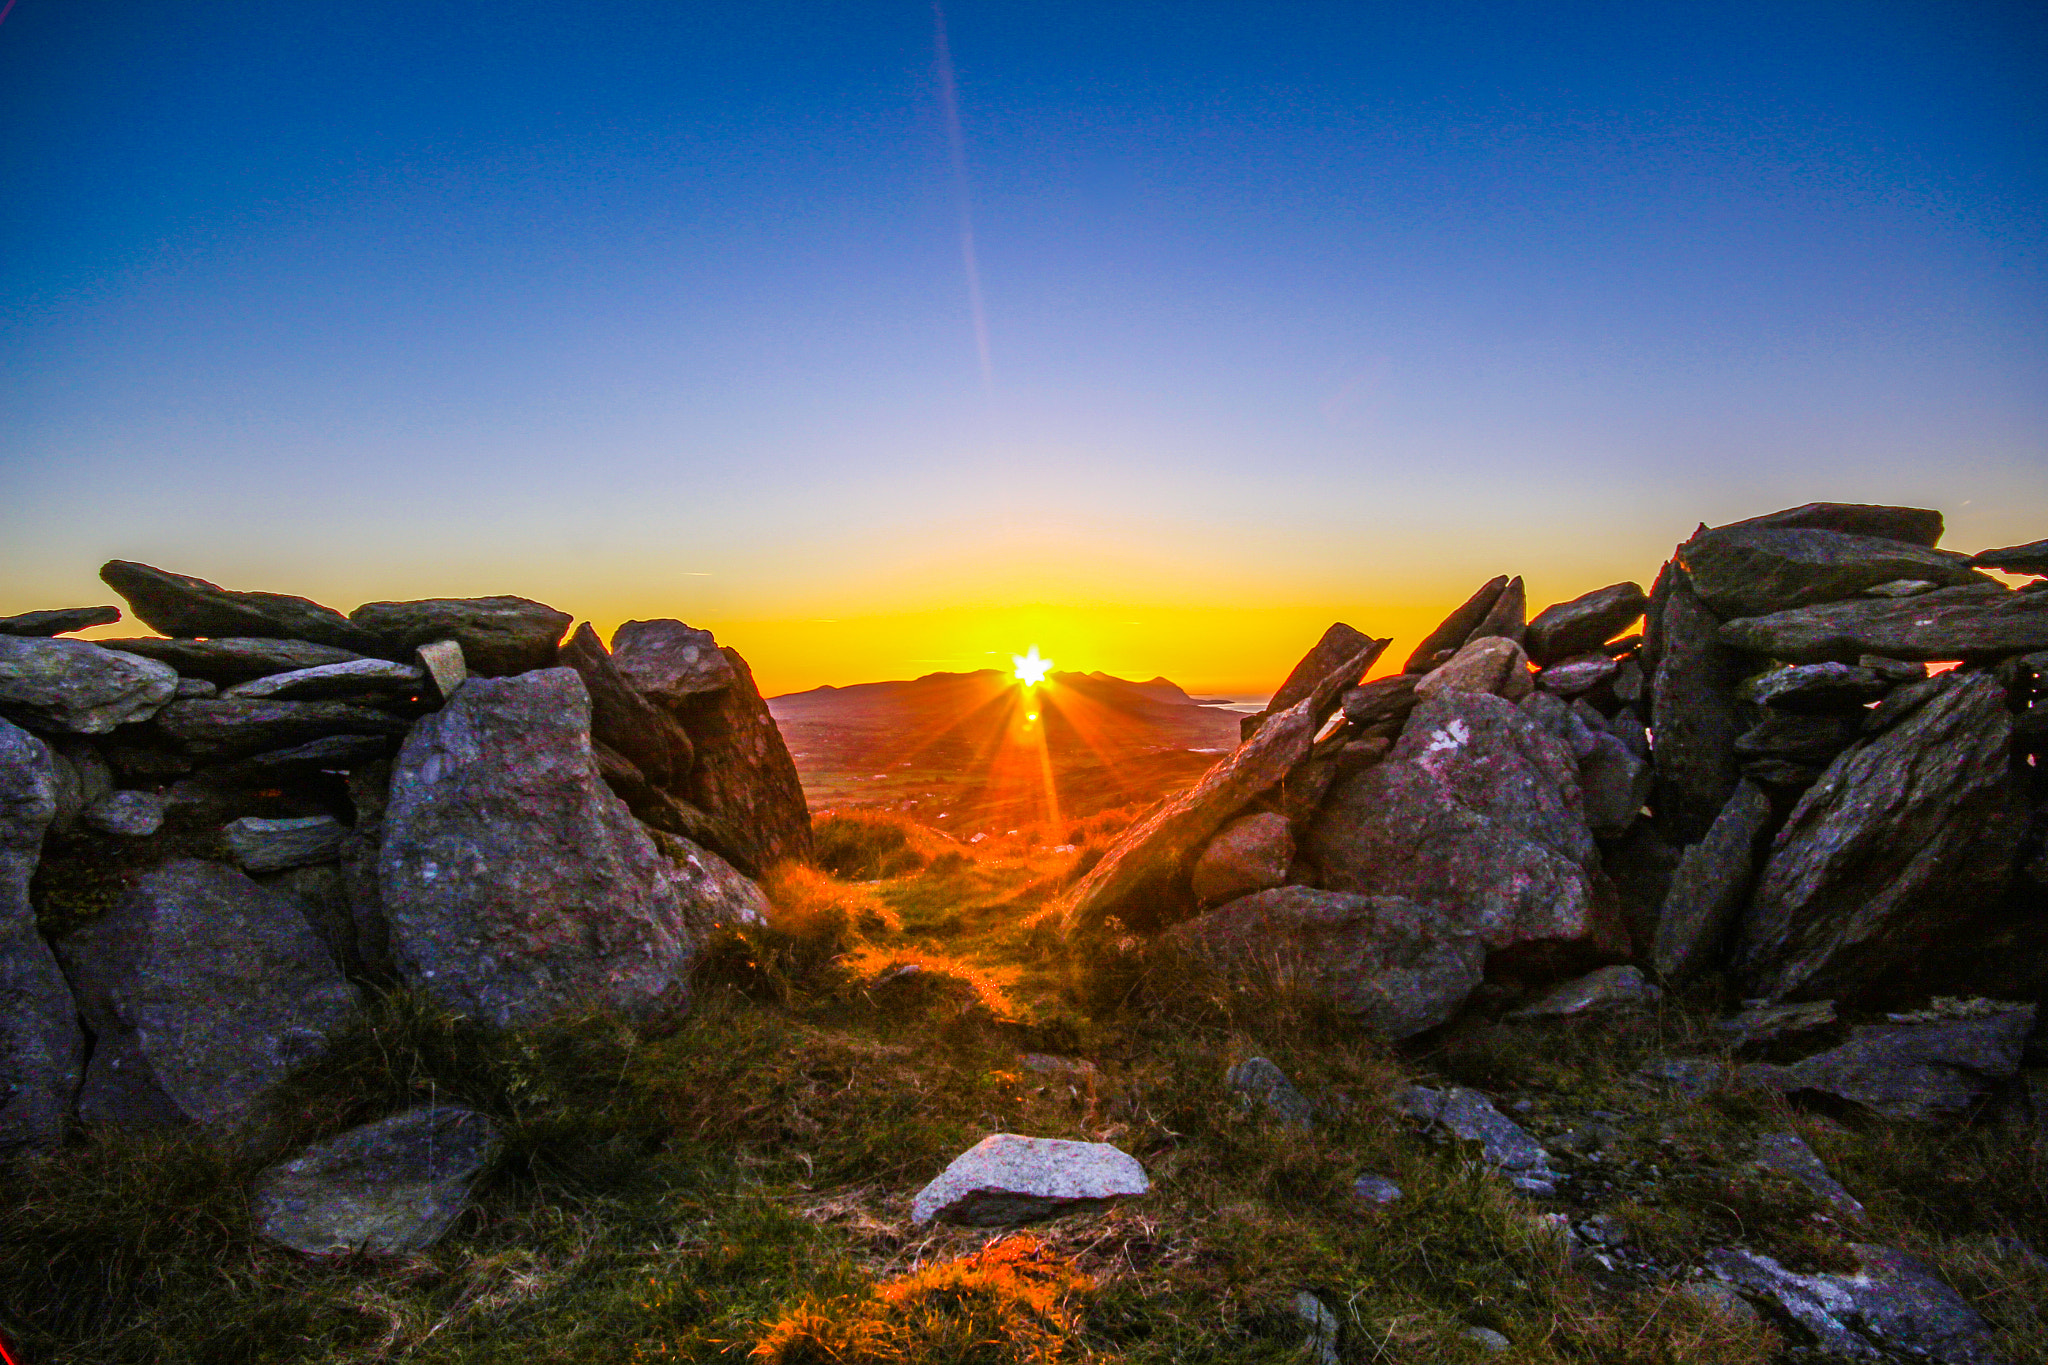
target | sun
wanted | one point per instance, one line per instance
(1031, 669)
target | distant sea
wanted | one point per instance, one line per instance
(1246, 705)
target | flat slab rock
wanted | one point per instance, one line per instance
(179, 605)
(1753, 570)
(390, 1187)
(1893, 1302)
(500, 636)
(80, 687)
(233, 659)
(60, 621)
(1470, 1116)
(1980, 621)
(1007, 1178)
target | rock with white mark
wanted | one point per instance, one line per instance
(389, 1187)
(1007, 1178)
(82, 688)
(271, 845)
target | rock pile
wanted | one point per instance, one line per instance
(281, 805)
(1817, 766)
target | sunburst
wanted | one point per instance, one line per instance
(1030, 668)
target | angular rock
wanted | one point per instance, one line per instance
(272, 845)
(80, 687)
(135, 815)
(1613, 785)
(1902, 587)
(1382, 701)
(1249, 854)
(1490, 663)
(1258, 1082)
(1323, 1328)
(202, 990)
(1981, 621)
(82, 778)
(1787, 1155)
(1385, 961)
(713, 892)
(1910, 1071)
(1710, 886)
(665, 812)
(1451, 636)
(234, 659)
(391, 1187)
(321, 892)
(1912, 525)
(513, 883)
(1619, 987)
(1338, 646)
(2029, 558)
(1815, 689)
(1893, 671)
(62, 621)
(1887, 866)
(1900, 702)
(1799, 739)
(1507, 618)
(196, 687)
(1756, 570)
(1575, 676)
(1583, 624)
(328, 754)
(500, 636)
(1135, 879)
(231, 727)
(1006, 1178)
(1375, 1190)
(623, 719)
(1641, 865)
(1892, 1302)
(442, 662)
(1759, 1024)
(178, 605)
(42, 1052)
(1694, 717)
(1471, 1117)
(357, 678)
(743, 774)
(669, 662)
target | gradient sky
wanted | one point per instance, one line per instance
(1294, 312)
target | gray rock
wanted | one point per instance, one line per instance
(1785, 1154)
(360, 854)
(357, 678)
(669, 662)
(1689, 1078)
(713, 892)
(1694, 717)
(1375, 1190)
(270, 845)
(233, 659)
(322, 895)
(1321, 1345)
(1006, 1178)
(202, 990)
(42, 1052)
(1815, 689)
(1471, 1117)
(1910, 1071)
(178, 605)
(1913, 525)
(1893, 671)
(1893, 1302)
(389, 1187)
(1385, 961)
(1980, 621)
(514, 884)
(1640, 865)
(1136, 880)
(1619, 987)
(1585, 623)
(1613, 785)
(2029, 558)
(1722, 1300)
(442, 662)
(1251, 853)
(1754, 570)
(1902, 587)
(1710, 886)
(500, 636)
(137, 815)
(1447, 639)
(1258, 1082)
(62, 621)
(231, 727)
(1507, 618)
(189, 688)
(1486, 1339)
(80, 687)
(744, 776)
(82, 778)
(330, 753)
(1799, 739)
(1758, 1022)
(1383, 701)
(1491, 663)
(1576, 675)
(620, 717)
(1887, 867)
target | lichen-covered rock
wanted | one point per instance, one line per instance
(1584, 623)
(669, 662)
(1249, 854)
(389, 1187)
(1921, 1071)
(622, 718)
(500, 636)
(352, 679)
(1006, 1178)
(202, 990)
(232, 727)
(178, 605)
(1456, 629)
(1491, 663)
(1694, 716)
(513, 882)
(232, 659)
(1755, 570)
(76, 686)
(42, 1052)
(1710, 886)
(1980, 621)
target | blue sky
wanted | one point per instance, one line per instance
(1294, 310)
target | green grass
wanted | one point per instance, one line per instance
(737, 1185)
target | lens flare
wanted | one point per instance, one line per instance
(1030, 668)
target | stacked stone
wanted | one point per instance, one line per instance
(437, 793)
(1816, 766)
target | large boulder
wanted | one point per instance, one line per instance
(669, 662)
(514, 884)
(1140, 878)
(1753, 570)
(234, 659)
(620, 717)
(1911, 525)
(744, 776)
(1694, 716)
(62, 621)
(202, 990)
(389, 1187)
(1385, 961)
(1889, 865)
(1476, 814)
(80, 687)
(1583, 624)
(42, 1052)
(1978, 621)
(178, 605)
(500, 636)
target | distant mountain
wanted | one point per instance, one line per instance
(1155, 713)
